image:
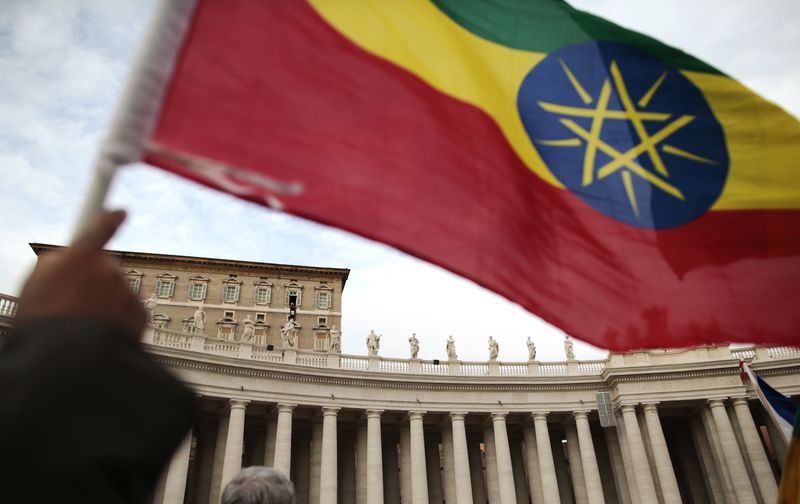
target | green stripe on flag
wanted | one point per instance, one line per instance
(547, 25)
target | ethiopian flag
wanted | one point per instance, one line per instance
(621, 189)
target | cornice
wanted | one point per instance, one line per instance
(390, 381)
(613, 379)
(609, 380)
(342, 273)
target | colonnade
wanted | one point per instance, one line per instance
(715, 454)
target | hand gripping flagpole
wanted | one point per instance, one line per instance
(140, 102)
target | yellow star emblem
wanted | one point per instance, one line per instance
(625, 163)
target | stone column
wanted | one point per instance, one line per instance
(490, 464)
(562, 472)
(576, 464)
(361, 464)
(532, 464)
(329, 472)
(205, 444)
(419, 479)
(733, 455)
(232, 461)
(717, 455)
(175, 487)
(627, 462)
(405, 464)
(547, 468)
(641, 467)
(518, 470)
(755, 451)
(476, 471)
(269, 444)
(690, 464)
(374, 458)
(617, 467)
(591, 472)
(301, 469)
(219, 456)
(505, 474)
(314, 462)
(460, 457)
(666, 474)
(391, 473)
(347, 471)
(433, 471)
(283, 439)
(448, 464)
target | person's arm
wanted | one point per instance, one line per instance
(85, 414)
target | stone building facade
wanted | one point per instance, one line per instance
(363, 430)
(232, 292)
(660, 426)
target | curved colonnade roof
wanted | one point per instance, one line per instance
(231, 370)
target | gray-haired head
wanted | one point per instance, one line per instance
(258, 485)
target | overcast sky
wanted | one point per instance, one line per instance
(62, 64)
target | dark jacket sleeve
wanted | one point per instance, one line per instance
(85, 415)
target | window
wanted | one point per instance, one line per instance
(198, 288)
(230, 293)
(261, 317)
(260, 334)
(226, 328)
(294, 294)
(321, 321)
(160, 321)
(134, 279)
(165, 285)
(188, 325)
(324, 300)
(263, 295)
(225, 331)
(321, 341)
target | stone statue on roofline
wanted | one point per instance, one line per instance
(451, 348)
(247, 334)
(336, 340)
(199, 320)
(289, 334)
(413, 344)
(494, 349)
(568, 348)
(373, 343)
(531, 349)
(150, 306)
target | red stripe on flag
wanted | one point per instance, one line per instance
(271, 88)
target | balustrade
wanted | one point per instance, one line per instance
(783, 351)
(513, 369)
(354, 362)
(474, 368)
(394, 366)
(258, 352)
(312, 359)
(8, 306)
(743, 353)
(262, 354)
(221, 347)
(591, 367)
(428, 367)
(552, 368)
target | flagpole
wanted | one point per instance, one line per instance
(138, 107)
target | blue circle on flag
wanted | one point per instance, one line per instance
(628, 134)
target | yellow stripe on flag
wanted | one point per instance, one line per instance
(763, 141)
(763, 146)
(417, 36)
